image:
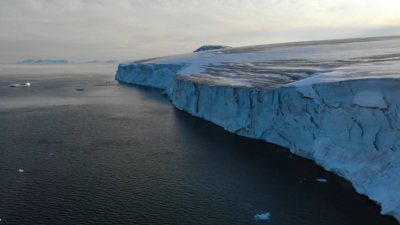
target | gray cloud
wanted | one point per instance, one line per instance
(82, 30)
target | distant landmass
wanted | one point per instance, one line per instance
(46, 61)
(63, 61)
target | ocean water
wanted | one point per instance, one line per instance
(122, 154)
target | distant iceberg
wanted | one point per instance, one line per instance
(94, 61)
(46, 61)
(112, 61)
(211, 47)
(102, 62)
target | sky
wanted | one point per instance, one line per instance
(126, 30)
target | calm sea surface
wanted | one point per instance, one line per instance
(122, 154)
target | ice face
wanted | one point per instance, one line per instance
(329, 101)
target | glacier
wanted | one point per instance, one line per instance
(335, 102)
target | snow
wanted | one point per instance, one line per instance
(335, 102)
(211, 47)
(260, 217)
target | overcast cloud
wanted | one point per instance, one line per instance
(83, 30)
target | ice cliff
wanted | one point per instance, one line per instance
(335, 102)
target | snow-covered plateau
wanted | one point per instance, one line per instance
(336, 102)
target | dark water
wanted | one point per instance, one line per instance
(152, 164)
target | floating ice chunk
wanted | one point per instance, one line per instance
(21, 85)
(79, 89)
(115, 117)
(51, 154)
(322, 180)
(260, 217)
(21, 170)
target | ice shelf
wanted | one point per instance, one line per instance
(335, 102)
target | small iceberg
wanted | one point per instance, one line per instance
(21, 85)
(115, 117)
(260, 217)
(21, 170)
(79, 89)
(322, 180)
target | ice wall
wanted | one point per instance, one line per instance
(328, 122)
(152, 75)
